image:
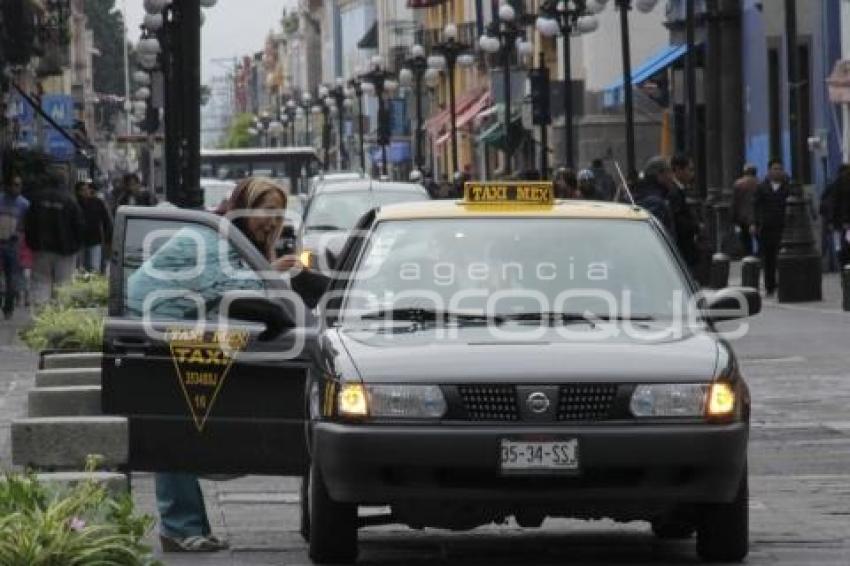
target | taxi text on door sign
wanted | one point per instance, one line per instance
(202, 361)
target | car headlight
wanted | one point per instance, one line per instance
(392, 401)
(721, 400)
(669, 400)
(351, 400)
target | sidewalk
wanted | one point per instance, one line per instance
(832, 293)
(17, 374)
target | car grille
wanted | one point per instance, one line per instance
(586, 401)
(576, 402)
(489, 402)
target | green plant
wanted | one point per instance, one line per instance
(79, 525)
(60, 328)
(85, 290)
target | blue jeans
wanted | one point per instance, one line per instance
(181, 505)
(11, 267)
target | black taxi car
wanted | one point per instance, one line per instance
(507, 355)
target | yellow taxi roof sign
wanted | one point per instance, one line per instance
(509, 192)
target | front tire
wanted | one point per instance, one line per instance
(723, 534)
(332, 525)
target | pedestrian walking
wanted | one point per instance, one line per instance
(841, 213)
(769, 212)
(687, 226)
(131, 193)
(606, 187)
(97, 231)
(54, 231)
(587, 185)
(652, 189)
(743, 214)
(13, 209)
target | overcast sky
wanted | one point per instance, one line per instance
(233, 28)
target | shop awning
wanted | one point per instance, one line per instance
(443, 139)
(370, 40)
(472, 112)
(495, 134)
(441, 120)
(613, 94)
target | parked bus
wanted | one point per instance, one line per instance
(292, 166)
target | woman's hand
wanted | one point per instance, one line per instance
(287, 263)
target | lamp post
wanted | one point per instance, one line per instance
(644, 6)
(291, 112)
(567, 18)
(381, 82)
(413, 75)
(305, 109)
(356, 86)
(340, 97)
(505, 36)
(325, 109)
(451, 53)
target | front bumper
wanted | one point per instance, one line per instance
(619, 464)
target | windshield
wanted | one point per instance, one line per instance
(519, 269)
(342, 210)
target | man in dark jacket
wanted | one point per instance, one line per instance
(687, 227)
(769, 210)
(840, 213)
(743, 216)
(97, 233)
(54, 232)
(606, 187)
(651, 192)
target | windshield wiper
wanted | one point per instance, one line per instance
(570, 317)
(324, 227)
(419, 314)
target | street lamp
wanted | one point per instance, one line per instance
(567, 18)
(356, 86)
(505, 36)
(341, 101)
(324, 108)
(450, 53)
(305, 109)
(291, 112)
(381, 81)
(413, 75)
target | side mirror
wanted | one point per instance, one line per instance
(253, 306)
(732, 303)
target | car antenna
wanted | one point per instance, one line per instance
(624, 186)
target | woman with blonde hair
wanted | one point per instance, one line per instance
(256, 207)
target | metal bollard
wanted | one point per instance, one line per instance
(845, 286)
(719, 271)
(750, 272)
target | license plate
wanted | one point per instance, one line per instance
(523, 456)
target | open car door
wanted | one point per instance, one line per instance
(207, 358)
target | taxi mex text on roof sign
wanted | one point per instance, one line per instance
(202, 362)
(521, 192)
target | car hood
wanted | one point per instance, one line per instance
(474, 355)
